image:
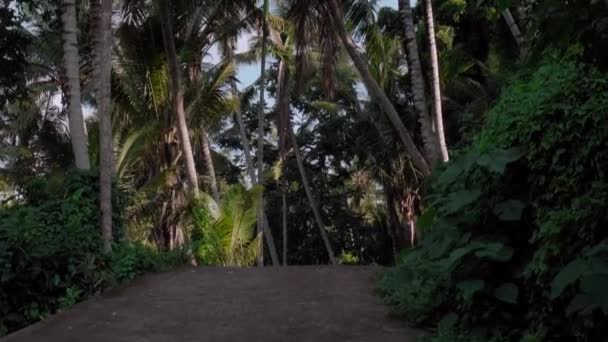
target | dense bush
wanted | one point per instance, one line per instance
(515, 244)
(51, 251)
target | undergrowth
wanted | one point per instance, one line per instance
(515, 246)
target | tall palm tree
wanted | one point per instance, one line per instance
(177, 94)
(71, 65)
(268, 237)
(431, 147)
(102, 14)
(311, 199)
(515, 31)
(335, 13)
(261, 113)
(283, 51)
(438, 113)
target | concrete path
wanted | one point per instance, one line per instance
(315, 303)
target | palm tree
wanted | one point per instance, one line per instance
(431, 148)
(261, 114)
(430, 24)
(514, 28)
(227, 44)
(252, 176)
(71, 65)
(374, 88)
(177, 94)
(313, 203)
(102, 13)
(280, 34)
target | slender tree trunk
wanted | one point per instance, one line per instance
(209, 164)
(261, 114)
(395, 229)
(431, 144)
(283, 125)
(195, 76)
(103, 77)
(311, 199)
(430, 25)
(251, 171)
(515, 31)
(376, 91)
(284, 200)
(244, 140)
(71, 60)
(177, 94)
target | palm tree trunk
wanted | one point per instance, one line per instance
(283, 125)
(311, 199)
(71, 60)
(251, 171)
(431, 148)
(177, 94)
(284, 200)
(244, 140)
(376, 91)
(430, 24)
(209, 164)
(195, 75)
(515, 31)
(260, 210)
(103, 78)
(395, 230)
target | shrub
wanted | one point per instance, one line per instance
(514, 245)
(224, 233)
(51, 250)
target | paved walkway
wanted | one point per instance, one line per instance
(228, 304)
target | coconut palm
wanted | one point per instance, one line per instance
(431, 147)
(438, 113)
(102, 66)
(261, 118)
(71, 58)
(177, 93)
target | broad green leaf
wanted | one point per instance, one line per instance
(495, 251)
(507, 292)
(510, 210)
(426, 220)
(470, 287)
(496, 160)
(568, 275)
(458, 200)
(456, 255)
(456, 168)
(599, 249)
(580, 302)
(595, 287)
(448, 321)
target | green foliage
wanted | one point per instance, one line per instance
(514, 246)
(225, 234)
(51, 250)
(347, 258)
(129, 260)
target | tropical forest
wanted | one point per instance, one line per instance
(304, 170)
